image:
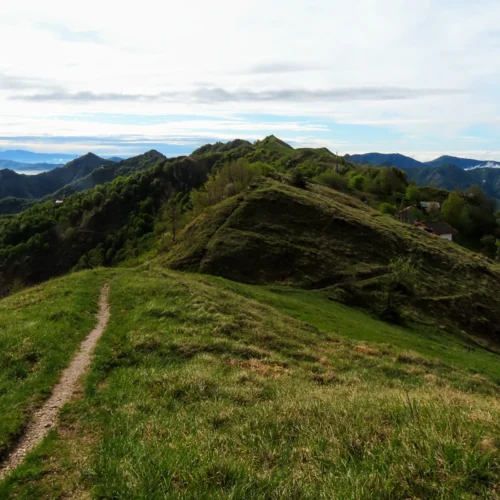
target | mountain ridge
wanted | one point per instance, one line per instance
(17, 185)
(404, 161)
(24, 156)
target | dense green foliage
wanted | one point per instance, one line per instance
(197, 392)
(101, 226)
(471, 212)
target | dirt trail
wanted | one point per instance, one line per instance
(45, 418)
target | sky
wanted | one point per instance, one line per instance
(120, 78)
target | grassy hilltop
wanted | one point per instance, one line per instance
(319, 238)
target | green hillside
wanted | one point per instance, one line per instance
(122, 213)
(318, 238)
(109, 172)
(89, 174)
(102, 226)
(198, 390)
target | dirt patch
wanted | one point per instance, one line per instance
(45, 418)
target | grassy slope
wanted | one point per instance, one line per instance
(274, 233)
(40, 329)
(199, 392)
(315, 307)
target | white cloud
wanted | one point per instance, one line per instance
(252, 49)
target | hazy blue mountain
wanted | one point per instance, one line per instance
(19, 167)
(22, 156)
(404, 162)
(382, 159)
(451, 176)
(459, 162)
(446, 172)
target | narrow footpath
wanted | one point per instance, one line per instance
(46, 417)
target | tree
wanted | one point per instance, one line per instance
(173, 214)
(332, 179)
(488, 245)
(98, 198)
(357, 182)
(402, 277)
(412, 194)
(454, 211)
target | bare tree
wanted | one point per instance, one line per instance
(173, 214)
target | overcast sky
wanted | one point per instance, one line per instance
(414, 77)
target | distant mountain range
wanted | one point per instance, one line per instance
(20, 167)
(20, 160)
(446, 172)
(404, 162)
(37, 186)
(18, 191)
(22, 156)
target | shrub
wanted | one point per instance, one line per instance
(357, 182)
(332, 179)
(297, 178)
(387, 208)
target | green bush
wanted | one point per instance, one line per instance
(357, 182)
(297, 178)
(333, 180)
(387, 208)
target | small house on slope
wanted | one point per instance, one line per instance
(442, 229)
(439, 228)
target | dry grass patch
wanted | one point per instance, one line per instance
(413, 358)
(369, 351)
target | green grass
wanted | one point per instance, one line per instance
(200, 392)
(315, 308)
(40, 329)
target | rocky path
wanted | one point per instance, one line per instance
(45, 418)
